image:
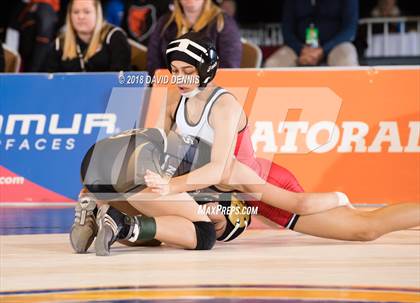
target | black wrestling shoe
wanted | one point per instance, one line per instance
(84, 228)
(111, 224)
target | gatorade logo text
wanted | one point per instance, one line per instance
(325, 136)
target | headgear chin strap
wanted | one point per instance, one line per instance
(196, 50)
(192, 93)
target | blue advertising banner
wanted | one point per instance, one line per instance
(49, 121)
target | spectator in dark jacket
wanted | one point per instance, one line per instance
(88, 43)
(199, 16)
(37, 26)
(336, 24)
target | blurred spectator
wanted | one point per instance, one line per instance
(141, 16)
(229, 6)
(328, 25)
(37, 26)
(2, 64)
(386, 8)
(8, 10)
(88, 42)
(199, 16)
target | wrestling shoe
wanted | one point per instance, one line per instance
(112, 226)
(84, 228)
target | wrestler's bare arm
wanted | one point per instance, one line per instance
(228, 113)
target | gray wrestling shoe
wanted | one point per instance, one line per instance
(84, 228)
(109, 223)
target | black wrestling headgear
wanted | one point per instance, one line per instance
(197, 50)
(237, 220)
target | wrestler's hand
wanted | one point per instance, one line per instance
(157, 183)
(84, 193)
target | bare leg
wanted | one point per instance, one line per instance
(182, 205)
(173, 215)
(343, 223)
(176, 231)
(244, 179)
(172, 230)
